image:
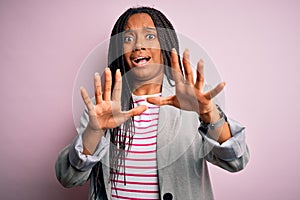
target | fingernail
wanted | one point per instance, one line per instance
(174, 50)
(186, 53)
(96, 74)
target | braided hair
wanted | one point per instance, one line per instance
(168, 40)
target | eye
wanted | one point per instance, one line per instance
(128, 39)
(150, 36)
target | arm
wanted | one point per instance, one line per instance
(216, 124)
(73, 167)
(68, 175)
(232, 154)
(225, 146)
(75, 162)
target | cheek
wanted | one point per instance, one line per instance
(127, 48)
(158, 56)
(127, 57)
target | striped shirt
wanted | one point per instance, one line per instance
(140, 162)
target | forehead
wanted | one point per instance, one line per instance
(139, 20)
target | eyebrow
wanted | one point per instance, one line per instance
(145, 28)
(150, 28)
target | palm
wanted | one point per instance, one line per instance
(189, 98)
(189, 94)
(107, 113)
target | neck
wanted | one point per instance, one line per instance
(147, 88)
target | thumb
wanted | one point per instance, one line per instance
(160, 101)
(120, 118)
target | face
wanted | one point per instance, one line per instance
(142, 49)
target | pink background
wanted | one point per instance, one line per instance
(255, 45)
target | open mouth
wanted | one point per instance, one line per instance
(139, 61)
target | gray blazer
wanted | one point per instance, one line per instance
(182, 152)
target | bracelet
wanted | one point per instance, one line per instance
(217, 124)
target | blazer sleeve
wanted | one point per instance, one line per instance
(72, 167)
(233, 154)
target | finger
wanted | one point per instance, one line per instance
(214, 92)
(124, 116)
(200, 75)
(97, 86)
(86, 99)
(136, 111)
(116, 96)
(107, 85)
(188, 72)
(160, 101)
(177, 75)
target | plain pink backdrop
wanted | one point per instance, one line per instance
(255, 45)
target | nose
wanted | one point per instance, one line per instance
(138, 44)
(138, 49)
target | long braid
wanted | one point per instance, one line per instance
(168, 39)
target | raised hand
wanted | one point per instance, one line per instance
(189, 94)
(107, 113)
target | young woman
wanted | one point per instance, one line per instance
(151, 128)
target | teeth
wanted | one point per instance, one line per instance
(139, 59)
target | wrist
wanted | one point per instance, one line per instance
(210, 116)
(97, 130)
(86, 151)
(214, 119)
(90, 139)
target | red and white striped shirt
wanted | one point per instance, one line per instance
(140, 162)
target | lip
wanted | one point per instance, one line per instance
(145, 60)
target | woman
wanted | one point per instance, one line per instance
(149, 132)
